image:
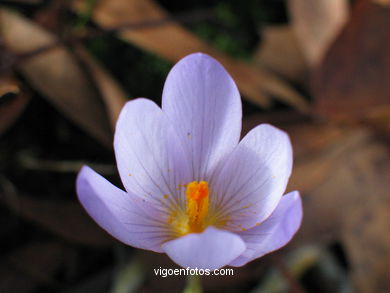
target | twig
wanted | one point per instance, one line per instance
(187, 17)
(26, 161)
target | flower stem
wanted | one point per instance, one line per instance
(194, 284)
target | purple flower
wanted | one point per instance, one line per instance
(193, 190)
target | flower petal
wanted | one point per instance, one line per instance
(274, 232)
(248, 185)
(125, 216)
(211, 249)
(151, 161)
(204, 104)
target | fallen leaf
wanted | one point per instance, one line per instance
(11, 107)
(280, 53)
(379, 120)
(352, 82)
(382, 2)
(172, 41)
(51, 15)
(342, 173)
(318, 149)
(345, 192)
(8, 85)
(27, 161)
(113, 94)
(316, 24)
(56, 74)
(365, 231)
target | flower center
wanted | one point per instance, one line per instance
(197, 205)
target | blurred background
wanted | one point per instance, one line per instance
(317, 69)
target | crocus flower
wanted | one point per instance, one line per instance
(193, 190)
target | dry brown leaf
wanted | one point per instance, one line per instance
(379, 120)
(51, 15)
(282, 117)
(112, 93)
(366, 229)
(56, 75)
(14, 106)
(66, 219)
(319, 152)
(345, 190)
(316, 24)
(343, 174)
(351, 206)
(313, 168)
(173, 41)
(312, 138)
(352, 82)
(280, 52)
(382, 2)
(8, 85)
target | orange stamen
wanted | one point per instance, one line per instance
(197, 205)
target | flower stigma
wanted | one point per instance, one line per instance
(196, 215)
(193, 218)
(197, 194)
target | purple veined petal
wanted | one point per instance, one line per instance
(274, 232)
(248, 184)
(150, 160)
(203, 103)
(211, 249)
(125, 216)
